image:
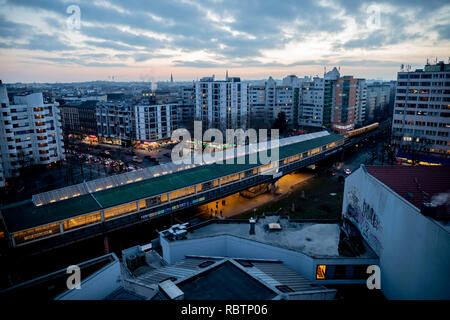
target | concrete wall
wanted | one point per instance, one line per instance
(235, 247)
(414, 250)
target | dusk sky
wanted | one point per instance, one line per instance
(148, 40)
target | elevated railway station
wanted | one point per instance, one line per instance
(103, 205)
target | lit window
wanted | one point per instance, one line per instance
(321, 270)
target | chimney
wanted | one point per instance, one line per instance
(252, 225)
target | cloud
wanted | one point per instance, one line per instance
(443, 31)
(229, 33)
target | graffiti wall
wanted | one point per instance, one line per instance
(364, 217)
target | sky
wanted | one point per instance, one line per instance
(132, 40)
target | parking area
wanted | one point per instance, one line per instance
(83, 162)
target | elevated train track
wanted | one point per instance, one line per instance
(83, 211)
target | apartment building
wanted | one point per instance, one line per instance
(421, 120)
(330, 79)
(259, 117)
(378, 98)
(79, 118)
(316, 100)
(221, 104)
(268, 100)
(349, 103)
(31, 132)
(311, 102)
(155, 122)
(186, 107)
(115, 122)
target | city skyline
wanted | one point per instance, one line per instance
(135, 41)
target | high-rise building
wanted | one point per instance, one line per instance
(257, 106)
(330, 79)
(268, 100)
(30, 132)
(186, 107)
(155, 122)
(221, 104)
(311, 102)
(378, 95)
(421, 120)
(349, 102)
(361, 105)
(115, 122)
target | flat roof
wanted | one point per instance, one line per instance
(313, 239)
(25, 215)
(225, 282)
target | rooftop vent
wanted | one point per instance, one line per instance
(274, 227)
(252, 225)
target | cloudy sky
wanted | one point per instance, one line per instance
(44, 41)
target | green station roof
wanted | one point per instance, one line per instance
(25, 215)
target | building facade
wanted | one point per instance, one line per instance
(386, 205)
(31, 132)
(378, 98)
(155, 122)
(221, 104)
(421, 120)
(79, 118)
(349, 103)
(268, 101)
(311, 103)
(186, 107)
(115, 123)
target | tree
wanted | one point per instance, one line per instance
(281, 123)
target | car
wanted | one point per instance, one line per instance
(347, 171)
(137, 159)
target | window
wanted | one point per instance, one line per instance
(229, 179)
(321, 270)
(36, 233)
(120, 210)
(82, 221)
(182, 193)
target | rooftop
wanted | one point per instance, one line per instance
(220, 278)
(312, 239)
(416, 184)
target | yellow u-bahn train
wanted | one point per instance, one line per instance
(362, 130)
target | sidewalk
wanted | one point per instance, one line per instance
(236, 204)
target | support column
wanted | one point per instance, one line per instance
(106, 244)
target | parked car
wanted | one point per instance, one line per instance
(137, 159)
